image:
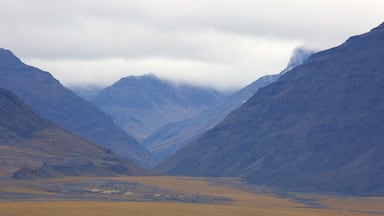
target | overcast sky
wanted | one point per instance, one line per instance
(225, 44)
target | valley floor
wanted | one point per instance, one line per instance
(161, 195)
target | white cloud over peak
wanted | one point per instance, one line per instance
(225, 44)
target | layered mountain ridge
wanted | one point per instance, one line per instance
(168, 139)
(142, 104)
(317, 128)
(51, 100)
(33, 147)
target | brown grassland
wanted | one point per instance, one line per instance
(242, 202)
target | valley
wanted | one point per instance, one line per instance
(307, 141)
(165, 195)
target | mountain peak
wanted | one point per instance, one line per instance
(8, 57)
(144, 76)
(51, 100)
(148, 80)
(3, 50)
(142, 104)
(299, 55)
(317, 128)
(140, 78)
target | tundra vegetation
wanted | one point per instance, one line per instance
(163, 195)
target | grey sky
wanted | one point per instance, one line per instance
(225, 44)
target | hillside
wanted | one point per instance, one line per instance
(168, 139)
(318, 128)
(33, 147)
(51, 100)
(142, 104)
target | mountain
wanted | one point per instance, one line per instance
(87, 92)
(299, 56)
(318, 128)
(172, 137)
(142, 104)
(31, 146)
(51, 100)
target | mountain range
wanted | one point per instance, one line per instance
(318, 128)
(51, 100)
(34, 147)
(142, 104)
(315, 127)
(168, 139)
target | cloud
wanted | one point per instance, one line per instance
(226, 71)
(226, 44)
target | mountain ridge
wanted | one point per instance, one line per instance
(172, 137)
(51, 100)
(142, 104)
(33, 147)
(318, 128)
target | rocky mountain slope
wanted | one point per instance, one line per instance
(318, 128)
(142, 104)
(51, 100)
(172, 137)
(33, 147)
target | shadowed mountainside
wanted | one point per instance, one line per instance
(31, 146)
(51, 100)
(168, 139)
(318, 128)
(142, 104)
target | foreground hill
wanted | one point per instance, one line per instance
(318, 128)
(142, 104)
(51, 100)
(168, 139)
(31, 146)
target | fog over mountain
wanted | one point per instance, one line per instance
(142, 104)
(172, 137)
(51, 100)
(223, 45)
(317, 128)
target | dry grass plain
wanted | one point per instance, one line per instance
(242, 202)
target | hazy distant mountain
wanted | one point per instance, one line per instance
(87, 92)
(31, 146)
(142, 104)
(319, 127)
(172, 137)
(51, 100)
